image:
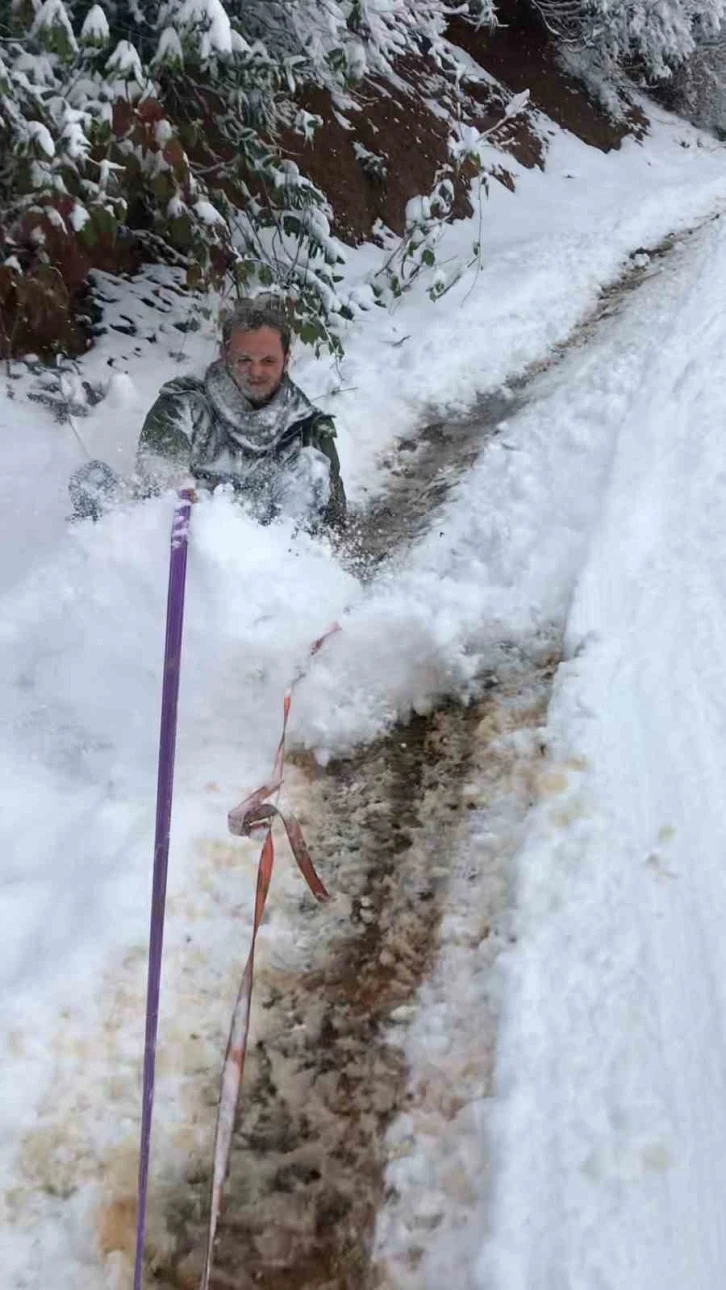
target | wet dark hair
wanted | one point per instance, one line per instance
(251, 315)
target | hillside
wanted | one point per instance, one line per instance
(169, 169)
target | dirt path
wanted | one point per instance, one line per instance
(423, 470)
(324, 1080)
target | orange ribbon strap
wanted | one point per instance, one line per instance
(255, 813)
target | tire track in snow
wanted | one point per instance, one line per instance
(425, 467)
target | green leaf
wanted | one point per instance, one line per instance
(310, 332)
(104, 221)
(180, 230)
(195, 276)
(88, 234)
(162, 186)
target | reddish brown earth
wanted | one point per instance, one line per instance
(398, 124)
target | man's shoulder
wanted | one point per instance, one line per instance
(182, 385)
(179, 408)
(308, 415)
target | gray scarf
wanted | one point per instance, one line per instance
(253, 429)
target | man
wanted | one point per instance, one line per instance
(244, 423)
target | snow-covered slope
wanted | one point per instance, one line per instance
(575, 1123)
(81, 627)
(610, 1165)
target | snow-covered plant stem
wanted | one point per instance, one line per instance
(427, 216)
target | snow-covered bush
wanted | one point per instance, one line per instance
(428, 215)
(159, 119)
(655, 34)
(698, 88)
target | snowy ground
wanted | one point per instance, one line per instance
(609, 1073)
(611, 1126)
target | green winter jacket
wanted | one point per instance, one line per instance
(208, 428)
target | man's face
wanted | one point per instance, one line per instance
(257, 362)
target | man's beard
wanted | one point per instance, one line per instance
(257, 399)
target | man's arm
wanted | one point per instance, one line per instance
(322, 436)
(165, 443)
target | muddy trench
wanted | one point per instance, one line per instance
(322, 1082)
(324, 1079)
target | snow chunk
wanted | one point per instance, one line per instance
(357, 59)
(52, 17)
(74, 141)
(208, 213)
(121, 392)
(163, 131)
(304, 489)
(40, 134)
(212, 17)
(170, 47)
(125, 62)
(517, 104)
(106, 169)
(36, 67)
(78, 217)
(418, 211)
(95, 29)
(53, 217)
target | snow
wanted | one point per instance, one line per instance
(546, 251)
(39, 133)
(211, 16)
(125, 62)
(208, 213)
(609, 1076)
(95, 29)
(73, 138)
(516, 104)
(121, 392)
(170, 46)
(609, 1138)
(52, 15)
(78, 217)
(559, 457)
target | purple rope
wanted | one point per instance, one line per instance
(167, 745)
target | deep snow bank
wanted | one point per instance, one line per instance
(610, 1128)
(560, 453)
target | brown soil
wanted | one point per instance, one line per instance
(47, 309)
(324, 1080)
(423, 471)
(397, 124)
(522, 55)
(307, 1173)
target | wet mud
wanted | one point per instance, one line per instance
(324, 1078)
